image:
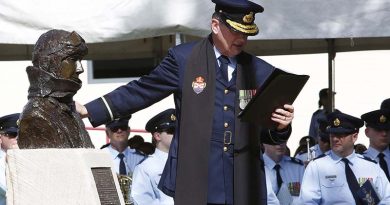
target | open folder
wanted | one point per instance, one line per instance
(279, 89)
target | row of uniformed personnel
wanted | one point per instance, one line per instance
(325, 179)
(337, 176)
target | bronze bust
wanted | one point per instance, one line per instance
(49, 119)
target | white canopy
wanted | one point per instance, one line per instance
(123, 28)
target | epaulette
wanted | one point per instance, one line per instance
(296, 161)
(316, 112)
(142, 160)
(322, 155)
(368, 159)
(301, 153)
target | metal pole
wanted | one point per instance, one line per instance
(331, 73)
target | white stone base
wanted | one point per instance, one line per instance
(55, 176)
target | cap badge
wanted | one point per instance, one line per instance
(198, 85)
(382, 119)
(173, 117)
(248, 18)
(336, 122)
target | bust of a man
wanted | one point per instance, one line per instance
(49, 119)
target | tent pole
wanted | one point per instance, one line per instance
(331, 73)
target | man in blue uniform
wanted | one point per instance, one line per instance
(211, 150)
(283, 170)
(125, 159)
(378, 132)
(148, 173)
(335, 178)
(8, 140)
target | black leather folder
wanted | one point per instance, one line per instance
(279, 89)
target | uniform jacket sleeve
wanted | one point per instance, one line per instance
(273, 137)
(137, 94)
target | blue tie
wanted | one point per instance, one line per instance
(224, 61)
(122, 166)
(383, 165)
(351, 180)
(279, 179)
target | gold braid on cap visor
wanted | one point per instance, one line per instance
(243, 28)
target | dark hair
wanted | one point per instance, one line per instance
(300, 149)
(360, 148)
(135, 141)
(146, 148)
(322, 94)
(303, 141)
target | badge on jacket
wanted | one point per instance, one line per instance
(198, 85)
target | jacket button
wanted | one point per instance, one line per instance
(226, 124)
(225, 149)
(225, 107)
(226, 91)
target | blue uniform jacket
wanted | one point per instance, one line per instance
(165, 79)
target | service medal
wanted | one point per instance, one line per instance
(294, 188)
(245, 96)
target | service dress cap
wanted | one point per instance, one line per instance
(121, 122)
(9, 124)
(341, 123)
(239, 15)
(163, 121)
(377, 119)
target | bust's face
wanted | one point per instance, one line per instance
(59, 53)
(70, 69)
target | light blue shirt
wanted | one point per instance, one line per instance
(3, 185)
(146, 177)
(324, 181)
(132, 158)
(272, 199)
(291, 171)
(373, 154)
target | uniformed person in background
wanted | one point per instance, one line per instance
(322, 146)
(214, 157)
(323, 109)
(377, 130)
(125, 159)
(283, 170)
(335, 178)
(302, 148)
(148, 173)
(8, 140)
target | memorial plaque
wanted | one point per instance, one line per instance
(105, 185)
